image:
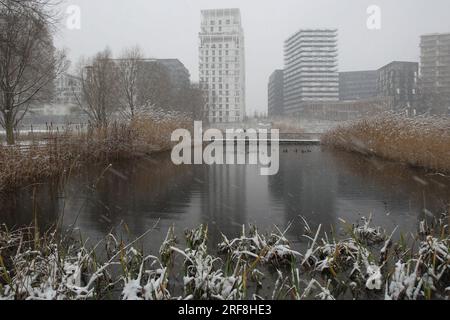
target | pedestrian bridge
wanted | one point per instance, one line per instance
(284, 138)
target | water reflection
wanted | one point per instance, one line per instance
(321, 185)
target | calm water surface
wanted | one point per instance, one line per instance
(325, 186)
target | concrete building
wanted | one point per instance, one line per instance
(275, 94)
(178, 74)
(346, 110)
(222, 65)
(311, 68)
(399, 80)
(357, 85)
(435, 70)
(67, 90)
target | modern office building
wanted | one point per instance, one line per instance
(435, 69)
(311, 68)
(222, 65)
(399, 80)
(275, 94)
(357, 85)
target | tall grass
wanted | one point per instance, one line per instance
(58, 152)
(420, 141)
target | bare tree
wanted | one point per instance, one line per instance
(143, 83)
(130, 68)
(99, 88)
(29, 62)
(190, 100)
(156, 85)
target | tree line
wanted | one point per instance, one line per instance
(129, 85)
(30, 64)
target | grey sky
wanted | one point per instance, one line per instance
(169, 29)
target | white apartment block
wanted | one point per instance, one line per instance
(222, 65)
(311, 68)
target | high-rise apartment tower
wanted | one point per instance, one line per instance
(222, 65)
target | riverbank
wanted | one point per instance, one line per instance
(364, 263)
(420, 141)
(58, 152)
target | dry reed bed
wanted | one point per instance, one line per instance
(420, 141)
(59, 152)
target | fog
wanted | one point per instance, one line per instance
(169, 29)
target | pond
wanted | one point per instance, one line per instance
(324, 186)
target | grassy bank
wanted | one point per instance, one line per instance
(363, 263)
(58, 152)
(420, 141)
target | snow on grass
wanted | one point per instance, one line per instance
(356, 265)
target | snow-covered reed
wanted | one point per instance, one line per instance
(364, 262)
(419, 141)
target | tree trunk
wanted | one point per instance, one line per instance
(9, 128)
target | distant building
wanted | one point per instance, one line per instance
(222, 65)
(178, 74)
(275, 94)
(67, 90)
(399, 80)
(346, 110)
(357, 85)
(435, 69)
(310, 73)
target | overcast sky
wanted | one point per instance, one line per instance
(169, 29)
